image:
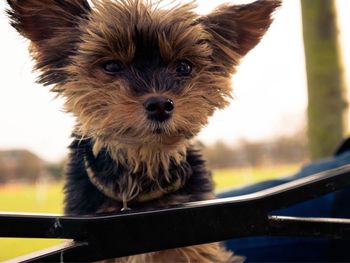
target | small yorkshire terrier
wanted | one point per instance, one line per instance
(142, 79)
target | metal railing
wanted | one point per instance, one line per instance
(133, 232)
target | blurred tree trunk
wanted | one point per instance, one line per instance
(326, 88)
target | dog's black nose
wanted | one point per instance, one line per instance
(158, 108)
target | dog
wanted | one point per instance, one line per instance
(141, 79)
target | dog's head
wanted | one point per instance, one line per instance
(134, 72)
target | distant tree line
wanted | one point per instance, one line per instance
(24, 166)
(281, 150)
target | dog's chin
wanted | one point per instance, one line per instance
(164, 136)
(171, 140)
(160, 138)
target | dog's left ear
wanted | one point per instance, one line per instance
(236, 29)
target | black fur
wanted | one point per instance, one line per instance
(83, 198)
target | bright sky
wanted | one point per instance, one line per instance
(269, 89)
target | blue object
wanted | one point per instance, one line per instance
(299, 249)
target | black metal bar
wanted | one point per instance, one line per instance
(306, 188)
(178, 226)
(42, 226)
(277, 226)
(56, 226)
(334, 228)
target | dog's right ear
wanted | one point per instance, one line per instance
(52, 26)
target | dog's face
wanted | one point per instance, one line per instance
(133, 72)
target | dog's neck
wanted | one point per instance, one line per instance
(128, 174)
(146, 157)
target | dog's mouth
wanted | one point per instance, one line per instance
(158, 131)
(154, 134)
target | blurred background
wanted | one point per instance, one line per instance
(290, 107)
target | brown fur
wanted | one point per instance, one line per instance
(70, 41)
(207, 253)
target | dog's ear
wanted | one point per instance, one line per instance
(236, 29)
(52, 26)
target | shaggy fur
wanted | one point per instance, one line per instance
(119, 157)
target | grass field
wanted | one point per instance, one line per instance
(47, 198)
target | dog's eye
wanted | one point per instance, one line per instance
(184, 67)
(112, 67)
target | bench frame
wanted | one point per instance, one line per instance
(134, 232)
